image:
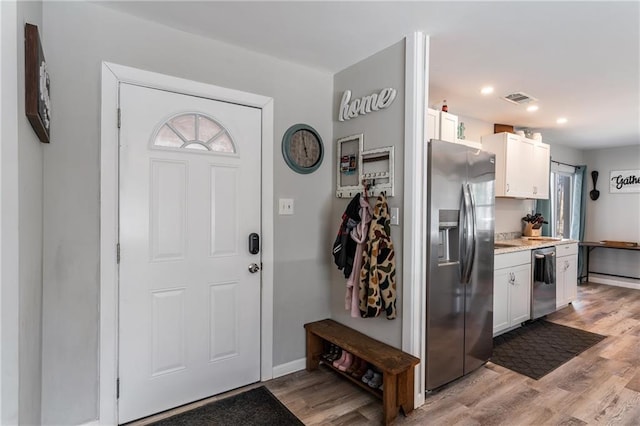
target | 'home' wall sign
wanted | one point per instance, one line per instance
(374, 102)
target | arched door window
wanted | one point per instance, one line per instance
(193, 131)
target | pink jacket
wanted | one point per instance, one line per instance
(359, 235)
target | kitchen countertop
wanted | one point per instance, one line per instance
(526, 243)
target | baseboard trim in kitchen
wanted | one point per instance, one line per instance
(289, 367)
(618, 282)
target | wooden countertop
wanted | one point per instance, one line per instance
(609, 245)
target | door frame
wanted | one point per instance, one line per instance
(112, 76)
(415, 231)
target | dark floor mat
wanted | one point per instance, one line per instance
(251, 408)
(540, 347)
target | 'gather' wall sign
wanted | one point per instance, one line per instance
(624, 181)
(374, 102)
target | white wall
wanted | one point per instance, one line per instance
(509, 213)
(21, 177)
(30, 187)
(9, 277)
(381, 128)
(475, 129)
(81, 35)
(613, 216)
(567, 154)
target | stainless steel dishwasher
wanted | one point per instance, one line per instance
(543, 282)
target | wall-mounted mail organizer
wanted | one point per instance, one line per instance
(357, 168)
(349, 166)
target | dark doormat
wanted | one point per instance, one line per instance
(254, 407)
(540, 347)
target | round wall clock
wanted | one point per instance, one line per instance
(302, 148)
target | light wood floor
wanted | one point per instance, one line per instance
(600, 386)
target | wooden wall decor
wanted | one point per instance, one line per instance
(37, 102)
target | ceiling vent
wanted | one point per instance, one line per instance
(519, 98)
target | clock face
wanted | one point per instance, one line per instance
(304, 148)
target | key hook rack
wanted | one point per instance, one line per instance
(368, 172)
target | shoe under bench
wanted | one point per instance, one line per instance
(397, 367)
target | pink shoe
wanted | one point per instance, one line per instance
(340, 360)
(347, 362)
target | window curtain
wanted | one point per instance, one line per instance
(578, 212)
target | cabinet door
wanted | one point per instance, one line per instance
(561, 268)
(448, 127)
(541, 171)
(520, 294)
(501, 300)
(433, 125)
(567, 279)
(571, 279)
(519, 167)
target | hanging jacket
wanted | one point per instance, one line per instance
(359, 234)
(344, 248)
(377, 289)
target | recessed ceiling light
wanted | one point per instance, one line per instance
(532, 108)
(561, 120)
(486, 90)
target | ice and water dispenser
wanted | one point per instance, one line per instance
(448, 241)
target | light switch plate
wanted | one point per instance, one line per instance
(285, 206)
(395, 215)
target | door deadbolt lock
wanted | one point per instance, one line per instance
(253, 268)
(254, 243)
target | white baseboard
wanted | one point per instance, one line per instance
(91, 423)
(618, 282)
(289, 367)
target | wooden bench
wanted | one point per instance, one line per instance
(397, 367)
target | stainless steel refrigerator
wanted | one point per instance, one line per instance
(461, 216)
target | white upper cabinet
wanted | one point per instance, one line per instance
(441, 125)
(448, 127)
(541, 158)
(433, 124)
(522, 165)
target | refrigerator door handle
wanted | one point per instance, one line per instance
(471, 259)
(462, 235)
(467, 231)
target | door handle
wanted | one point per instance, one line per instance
(253, 268)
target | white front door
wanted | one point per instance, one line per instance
(189, 308)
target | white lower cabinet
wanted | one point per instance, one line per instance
(511, 290)
(566, 274)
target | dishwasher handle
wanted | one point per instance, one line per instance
(541, 256)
